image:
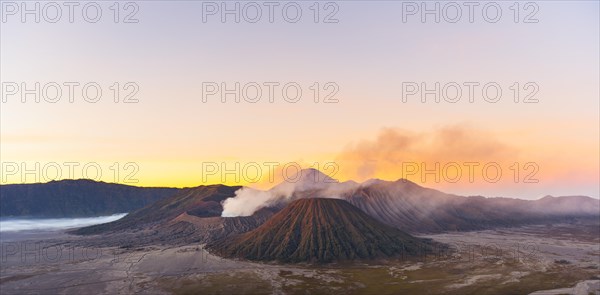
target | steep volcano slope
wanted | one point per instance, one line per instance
(202, 201)
(405, 205)
(319, 230)
(415, 209)
(191, 216)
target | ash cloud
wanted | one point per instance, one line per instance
(393, 146)
(369, 158)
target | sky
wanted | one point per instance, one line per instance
(368, 56)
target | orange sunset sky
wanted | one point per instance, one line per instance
(171, 134)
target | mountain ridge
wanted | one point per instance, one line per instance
(201, 201)
(417, 209)
(76, 198)
(194, 215)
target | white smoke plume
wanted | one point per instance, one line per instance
(310, 184)
(246, 202)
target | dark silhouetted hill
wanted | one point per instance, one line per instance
(76, 198)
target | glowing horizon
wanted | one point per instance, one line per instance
(370, 132)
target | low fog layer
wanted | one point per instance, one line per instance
(20, 224)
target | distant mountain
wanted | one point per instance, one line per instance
(76, 198)
(193, 215)
(319, 230)
(305, 180)
(412, 208)
(416, 209)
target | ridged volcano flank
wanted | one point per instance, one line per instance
(319, 230)
(201, 201)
